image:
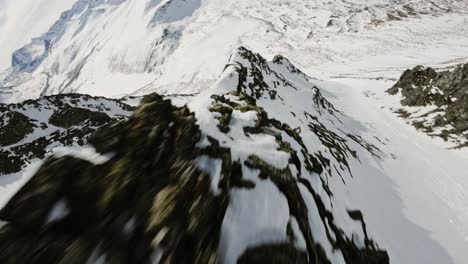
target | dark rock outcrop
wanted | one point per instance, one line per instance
(276, 253)
(150, 197)
(447, 90)
(73, 116)
(27, 129)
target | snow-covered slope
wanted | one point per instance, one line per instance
(22, 20)
(29, 130)
(269, 137)
(113, 48)
(423, 181)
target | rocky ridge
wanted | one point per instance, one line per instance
(197, 181)
(32, 129)
(436, 101)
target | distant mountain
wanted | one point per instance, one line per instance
(121, 47)
(22, 20)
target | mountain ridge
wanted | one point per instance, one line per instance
(144, 51)
(202, 156)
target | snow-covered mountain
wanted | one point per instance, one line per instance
(205, 175)
(22, 20)
(119, 47)
(232, 156)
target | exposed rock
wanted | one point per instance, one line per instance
(73, 116)
(9, 162)
(31, 129)
(446, 90)
(15, 127)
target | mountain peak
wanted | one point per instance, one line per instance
(236, 149)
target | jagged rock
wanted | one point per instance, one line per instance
(152, 182)
(31, 129)
(414, 84)
(417, 85)
(447, 90)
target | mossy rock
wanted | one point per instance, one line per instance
(152, 180)
(448, 90)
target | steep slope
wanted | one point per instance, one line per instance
(422, 183)
(22, 20)
(179, 46)
(199, 182)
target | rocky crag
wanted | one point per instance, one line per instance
(436, 101)
(31, 129)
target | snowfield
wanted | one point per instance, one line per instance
(423, 183)
(22, 20)
(178, 46)
(412, 191)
